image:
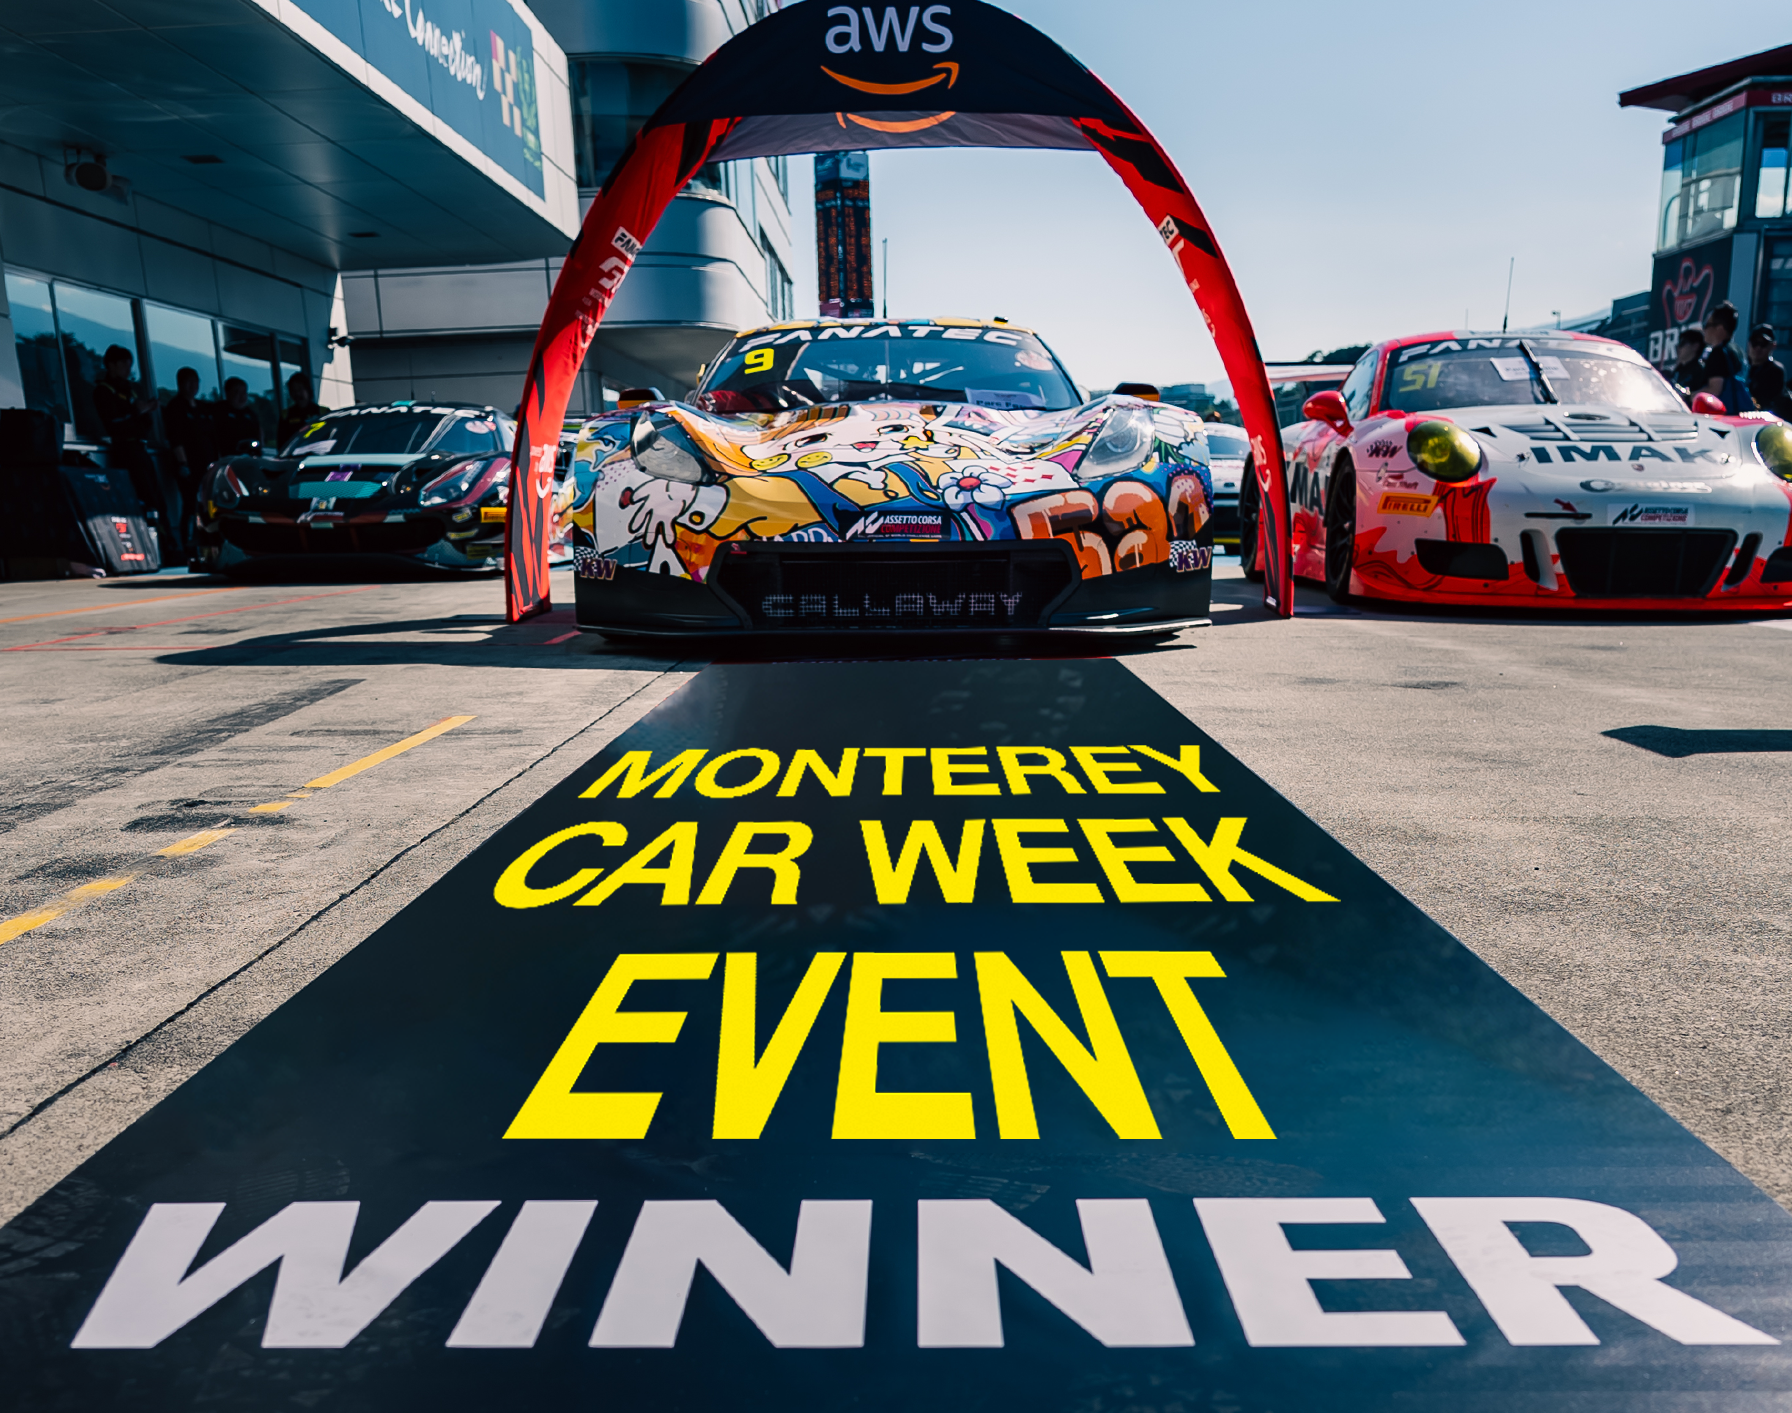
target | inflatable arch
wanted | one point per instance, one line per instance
(818, 78)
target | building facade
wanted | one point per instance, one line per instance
(719, 260)
(1723, 223)
(191, 182)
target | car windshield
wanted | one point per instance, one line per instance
(1496, 372)
(370, 433)
(991, 367)
(1227, 444)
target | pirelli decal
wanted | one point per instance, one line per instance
(1403, 503)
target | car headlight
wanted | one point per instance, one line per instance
(1773, 444)
(1124, 442)
(1443, 451)
(226, 489)
(663, 448)
(450, 487)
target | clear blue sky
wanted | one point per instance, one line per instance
(1368, 169)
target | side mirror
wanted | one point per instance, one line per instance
(1328, 407)
(1709, 405)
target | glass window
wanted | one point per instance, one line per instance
(989, 367)
(1358, 385)
(1710, 186)
(34, 335)
(292, 360)
(611, 99)
(1227, 444)
(249, 354)
(467, 434)
(90, 322)
(1667, 225)
(1770, 175)
(179, 340)
(373, 431)
(780, 292)
(1498, 373)
(1776, 295)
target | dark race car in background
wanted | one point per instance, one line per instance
(1536, 470)
(423, 481)
(919, 475)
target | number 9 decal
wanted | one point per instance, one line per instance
(759, 361)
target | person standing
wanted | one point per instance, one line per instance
(124, 415)
(237, 424)
(1723, 366)
(187, 423)
(301, 407)
(1766, 375)
(1689, 364)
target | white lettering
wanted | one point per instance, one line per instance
(928, 23)
(151, 1294)
(1623, 1267)
(891, 28)
(1125, 1297)
(844, 38)
(512, 1302)
(1269, 1281)
(819, 1303)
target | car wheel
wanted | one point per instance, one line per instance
(1250, 508)
(1340, 532)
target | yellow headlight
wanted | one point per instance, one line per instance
(1443, 451)
(1773, 444)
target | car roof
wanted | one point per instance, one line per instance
(1496, 339)
(943, 321)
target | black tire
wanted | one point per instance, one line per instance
(1340, 531)
(1250, 509)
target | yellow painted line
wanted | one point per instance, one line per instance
(193, 843)
(298, 794)
(274, 807)
(24, 922)
(398, 748)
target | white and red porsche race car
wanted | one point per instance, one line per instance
(1532, 469)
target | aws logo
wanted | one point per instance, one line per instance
(892, 30)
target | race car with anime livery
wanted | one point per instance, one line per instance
(422, 481)
(853, 475)
(1533, 469)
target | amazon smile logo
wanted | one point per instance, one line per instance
(892, 30)
(948, 75)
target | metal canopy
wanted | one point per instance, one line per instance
(218, 109)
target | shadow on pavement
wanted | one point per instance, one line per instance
(1676, 743)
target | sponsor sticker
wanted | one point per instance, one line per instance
(1401, 503)
(1186, 556)
(1649, 513)
(910, 526)
(626, 243)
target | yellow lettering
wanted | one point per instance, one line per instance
(1017, 862)
(1052, 763)
(836, 782)
(1114, 861)
(632, 770)
(673, 877)
(706, 778)
(553, 1109)
(1106, 1075)
(1188, 766)
(738, 854)
(512, 889)
(1218, 858)
(1098, 772)
(946, 771)
(861, 1110)
(957, 877)
(895, 758)
(1171, 970)
(747, 1090)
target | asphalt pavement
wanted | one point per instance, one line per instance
(1594, 805)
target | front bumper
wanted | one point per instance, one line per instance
(433, 536)
(785, 589)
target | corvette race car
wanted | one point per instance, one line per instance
(424, 481)
(1533, 469)
(922, 475)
